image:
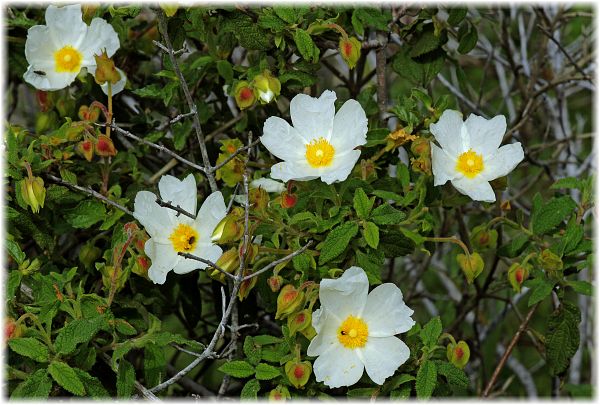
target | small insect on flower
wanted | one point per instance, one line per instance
(470, 155)
(56, 52)
(355, 330)
(172, 233)
(320, 143)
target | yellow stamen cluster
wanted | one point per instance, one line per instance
(184, 238)
(319, 153)
(470, 164)
(353, 333)
(68, 59)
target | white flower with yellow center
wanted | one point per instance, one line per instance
(320, 143)
(56, 52)
(355, 330)
(172, 233)
(470, 155)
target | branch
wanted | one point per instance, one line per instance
(564, 51)
(162, 22)
(174, 208)
(89, 191)
(276, 262)
(234, 154)
(193, 257)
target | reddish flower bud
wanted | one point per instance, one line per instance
(350, 50)
(458, 354)
(298, 372)
(105, 146)
(244, 95)
(288, 200)
(44, 100)
(274, 283)
(288, 301)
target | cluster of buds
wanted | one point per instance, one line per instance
(102, 146)
(471, 265)
(29, 266)
(263, 88)
(421, 148)
(517, 274)
(139, 239)
(32, 190)
(458, 353)
(233, 171)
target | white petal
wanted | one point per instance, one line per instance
(117, 87)
(152, 216)
(383, 356)
(442, 165)
(164, 259)
(385, 313)
(39, 48)
(49, 81)
(179, 192)
(338, 367)
(100, 35)
(286, 171)
(66, 26)
(208, 252)
(269, 185)
(478, 188)
(341, 167)
(346, 295)
(282, 140)
(349, 127)
(326, 327)
(503, 161)
(448, 132)
(313, 117)
(485, 135)
(212, 211)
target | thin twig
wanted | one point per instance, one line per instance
(167, 204)
(213, 265)
(564, 51)
(234, 154)
(276, 262)
(175, 119)
(88, 191)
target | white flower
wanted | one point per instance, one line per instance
(470, 155)
(355, 330)
(267, 184)
(172, 233)
(56, 52)
(320, 143)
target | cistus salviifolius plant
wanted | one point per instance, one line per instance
(296, 201)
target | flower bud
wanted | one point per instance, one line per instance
(230, 228)
(472, 266)
(44, 121)
(288, 301)
(244, 95)
(279, 393)
(298, 372)
(275, 282)
(229, 262)
(458, 354)
(89, 114)
(266, 87)
(288, 200)
(33, 192)
(86, 148)
(259, 198)
(88, 10)
(299, 321)
(44, 100)
(141, 266)
(246, 286)
(550, 262)
(309, 332)
(483, 238)
(421, 164)
(105, 146)
(105, 69)
(421, 147)
(88, 254)
(517, 273)
(12, 329)
(350, 50)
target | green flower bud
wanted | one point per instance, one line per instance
(44, 121)
(288, 301)
(458, 354)
(483, 238)
(471, 266)
(517, 273)
(65, 107)
(33, 192)
(279, 393)
(421, 147)
(550, 262)
(229, 261)
(266, 87)
(299, 321)
(259, 198)
(231, 228)
(275, 282)
(350, 51)
(244, 95)
(105, 69)
(298, 372)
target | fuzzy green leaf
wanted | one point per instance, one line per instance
(385, 214)
(581, 287)
(78, 331)
(266, 372)
(562, 337)
(371, 234)
(66, 377)
(125, 379)
(542, 289)
(237, 368)
(305, 45)
(250, 390)
(336, 241)
(362, 203)
(551, 214)
(93, 386)
(431, 332)
(85, 214)
(30, 347)
(454, 375)
(426, 380)
(37, 385)
(252, 350)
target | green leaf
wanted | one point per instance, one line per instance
(467, 37)
(515, 247)
(371, 264)
(85, 214)
(93, 386)
(540, 291)
(427, 42)
(336, 241)
(305, 45)
(374, 17)
(155, 364)
(125, 379)
(66, 377)
(420, 70)
(252, 350)
(250, 390)
(456, 15)
(124, 327)
(362, 203)
(402, 393)
(426, 380)
(37, 385)
(225, 70)
(290, 15)
(581, 287)
(551, 214)
(371, 234)
(385, 214)
(562, 337)
(362, 392)
(567, 182)
(78, 331)
(30, 347)
(266, 372)
(431, 332)
(237, 368)
(454, 375)
(14, 250)
(14, 282)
